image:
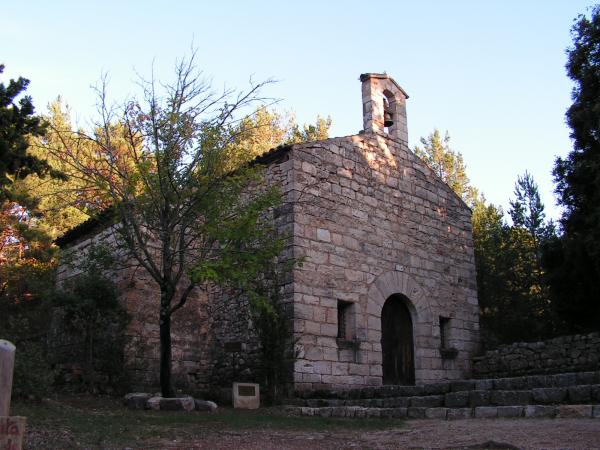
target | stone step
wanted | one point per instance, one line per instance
(561, 380)
(478, 412)
(574, 395)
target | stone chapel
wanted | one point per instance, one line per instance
(387, 290)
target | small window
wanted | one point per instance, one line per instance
(344, 310)
(444, 332)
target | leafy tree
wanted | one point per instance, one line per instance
(266, 129)
(527, 211)
(447, 164)
(574, 260)
(180, 212)
(93, 317)
(17, 123)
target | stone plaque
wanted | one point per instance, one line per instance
(12, 430)
(246, 395)
(246, 391)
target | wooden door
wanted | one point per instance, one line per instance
(397, 342)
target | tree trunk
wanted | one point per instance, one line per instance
(165, 348)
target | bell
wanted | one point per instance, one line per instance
(388, 116)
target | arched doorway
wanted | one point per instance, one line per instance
(397, 341)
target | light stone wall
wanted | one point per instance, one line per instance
(371, 220)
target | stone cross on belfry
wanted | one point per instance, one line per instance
(7, 362)
(384, 106)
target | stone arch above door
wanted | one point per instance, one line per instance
(394, 282)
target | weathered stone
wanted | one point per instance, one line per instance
(205, 405)
(596, 392)
(596, 411)
(154, 403)
(436, 413)
(485, 412)
(137, 400)
(549, 395)
(580, 394)
(459, 413)
(7, 362)
(484, 385)
(510, 398)
(436, 388)
(540, 411)
(397, 402)
(462, 385)
(456, 399)
(400, 413)
(510, 411)
(479, 398)
(430, 401)
(416, 413)
(177, 404)
(574, 411)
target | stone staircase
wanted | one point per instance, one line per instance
(558, 395)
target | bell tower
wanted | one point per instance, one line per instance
(384, 106)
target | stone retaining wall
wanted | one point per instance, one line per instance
(575, 353)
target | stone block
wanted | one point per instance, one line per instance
(596, 392)
(574, 411)
(416, 413)
(580, 394)
(549, 395)
(205, 405)
(484, 385)
(396, 402)
(510, 411)
(565, 379)
(539, 411)
(430, 401)
(436, 388)
(137, 400)
(485, 412)
(596, 411)
(436, 413)
(462, 385)
(400, 413)
(456, 399)
(510, 398)
(459, 413)
(479, 398)
(154, 403)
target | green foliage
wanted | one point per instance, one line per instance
(573, 261)
(447, 164)
(513, 294)
(17, 123)
(266, 129)
(93, 315)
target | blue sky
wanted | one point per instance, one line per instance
(491, 73)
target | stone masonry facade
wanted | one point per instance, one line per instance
(370, 221)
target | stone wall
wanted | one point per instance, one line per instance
(371, 220)
(562, 354)
(213, 340)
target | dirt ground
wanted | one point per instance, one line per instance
(86, 422)
(418, 434)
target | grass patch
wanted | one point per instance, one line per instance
(103, 422)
